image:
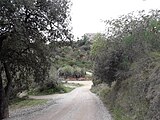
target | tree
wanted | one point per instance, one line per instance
(66, 71)
(98, 45)
(69, 71)
(25, 28)
(128, 39)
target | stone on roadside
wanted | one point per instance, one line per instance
(23, 94)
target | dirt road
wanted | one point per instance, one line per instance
(80, 104)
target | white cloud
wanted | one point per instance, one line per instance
(87, 14)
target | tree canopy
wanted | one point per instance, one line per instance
(26, 29)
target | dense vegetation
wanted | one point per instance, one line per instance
(127, 60)
(73, 61)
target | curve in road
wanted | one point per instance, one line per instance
(80, 104)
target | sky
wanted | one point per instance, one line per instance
(88, 15)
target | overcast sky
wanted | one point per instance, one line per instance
(87, 15)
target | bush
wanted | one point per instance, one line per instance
(69, 71)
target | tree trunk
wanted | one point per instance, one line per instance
(1, 93)
(5, 108)
(4, 111)
(9, 80)
(2, 38)
(1, 83)
(4, 93)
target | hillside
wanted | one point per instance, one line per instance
(73, 60)
(127, 67)
(75, 55)
(137, 97)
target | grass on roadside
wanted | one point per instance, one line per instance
(119, 114)
(102, 90)
(72, 85)
(23, 103)
(62, 88)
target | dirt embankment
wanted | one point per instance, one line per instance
(137, 97)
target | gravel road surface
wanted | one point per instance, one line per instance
(80, 104)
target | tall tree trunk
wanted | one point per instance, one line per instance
(7, 91)
(4, 93)
(9, 80)
(1, 83)
(2, 38)
(5, 107)
(4, 111)
(1, 93)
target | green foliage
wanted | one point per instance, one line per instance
(128, 39)
(27, 29)
(23, 42)
(118, 114)
(69, 71)
(131, 59)
(82, 42)
(66, 71)
(98, 45)
(76, 55)
(52, 90)
(105, 68)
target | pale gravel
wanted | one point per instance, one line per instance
(80, 104)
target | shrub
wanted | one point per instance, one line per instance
(69, 71)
